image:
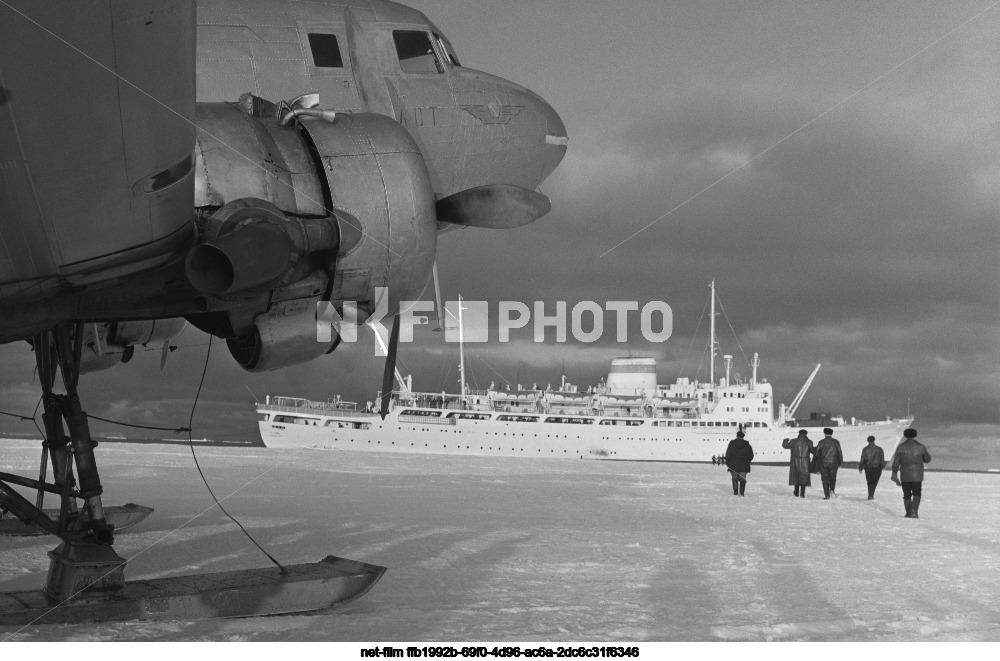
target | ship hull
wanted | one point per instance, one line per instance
(368, 433)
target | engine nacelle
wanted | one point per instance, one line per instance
(362, 172)
(110, 343)
(376, 173)
(286, 333)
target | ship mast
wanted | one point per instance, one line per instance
(461, 353)
(711, 360)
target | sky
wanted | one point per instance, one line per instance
(832, 166)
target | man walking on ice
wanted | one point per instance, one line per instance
(830, 458)
(908, 460)
(739, 454)
(798, 464)
(871, 464)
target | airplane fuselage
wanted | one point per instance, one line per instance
(472, 127)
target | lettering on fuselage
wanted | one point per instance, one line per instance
(431, 116)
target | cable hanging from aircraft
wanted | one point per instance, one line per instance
(16, 415)
(179, 430)
(108, 420)
(194, 406)
(25, 418)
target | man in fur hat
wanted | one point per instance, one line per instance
(830, 458)
(908, 460)
(871, 464)
(739, 454)
(798, 465)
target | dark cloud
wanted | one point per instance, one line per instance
(869, 237)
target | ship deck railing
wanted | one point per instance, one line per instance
(815, 424)
(280, 400)
(441, 401)
(316, 408)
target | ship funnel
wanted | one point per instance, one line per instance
(632, 376)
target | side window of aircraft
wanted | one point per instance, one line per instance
(448, 51)
(416, 54)
(325, 50)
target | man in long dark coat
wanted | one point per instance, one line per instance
(798, 465)
(871, 464)
(830, 458)
(908, 460)
(739, 454)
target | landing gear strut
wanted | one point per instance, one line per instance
(85, 562)
(86, 579)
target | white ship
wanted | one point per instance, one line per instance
(627, 418)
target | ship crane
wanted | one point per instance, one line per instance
(790, 414)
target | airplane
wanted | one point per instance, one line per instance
(231, 164)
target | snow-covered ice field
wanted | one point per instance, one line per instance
(491, 549)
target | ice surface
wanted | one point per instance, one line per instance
(488, 549)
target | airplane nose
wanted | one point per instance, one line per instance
(556, 139)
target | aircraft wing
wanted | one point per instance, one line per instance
(97, 102)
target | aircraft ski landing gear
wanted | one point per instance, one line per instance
(86, 578)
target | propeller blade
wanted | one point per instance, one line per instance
(500, 206)
(437, 297)
(163, 353)
(390, 369)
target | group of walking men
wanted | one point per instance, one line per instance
(907, 463)
(826, 458)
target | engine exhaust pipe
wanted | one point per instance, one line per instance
(254, 245)
(253, 256)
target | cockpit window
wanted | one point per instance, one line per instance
(448, 51)
(416, 54)
(325, 50)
